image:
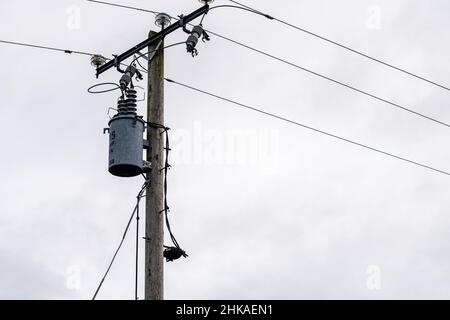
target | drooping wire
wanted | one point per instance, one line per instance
(166, 168)
(136, 208)
(170, 253)
(343, 46)
(307, 127)
(393, 104)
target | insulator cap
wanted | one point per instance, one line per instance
(162, 20)
(98, 60)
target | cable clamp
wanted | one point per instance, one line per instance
(173, 253)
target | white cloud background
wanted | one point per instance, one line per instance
(307, 227)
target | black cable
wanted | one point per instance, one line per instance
(170, 253)
(329, 79)
(344, 47)
(322, 76)
(307, 127)
(139, 196)
(47, 48)
(166, 168)
(122, 6)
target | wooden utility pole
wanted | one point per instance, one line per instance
(154, 202)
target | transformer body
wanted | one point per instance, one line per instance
(126, 145)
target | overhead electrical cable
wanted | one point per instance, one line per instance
(122, 6)
(46, 47)
(343, 46)
(306, 126)
(332, 80)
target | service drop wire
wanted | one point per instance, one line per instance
(136, 207)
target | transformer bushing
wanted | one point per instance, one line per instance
(192, 40)
(126, 139)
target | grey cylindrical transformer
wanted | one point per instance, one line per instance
(126, 145)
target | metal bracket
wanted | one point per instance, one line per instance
(152, 40)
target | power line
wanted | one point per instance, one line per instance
(306, 126)
(46, 48)
(393, 104)
(344, 46)
(243, 8)
(122, 6)
(67, 51)
(330, 79)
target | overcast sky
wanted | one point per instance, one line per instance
(263, 208)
